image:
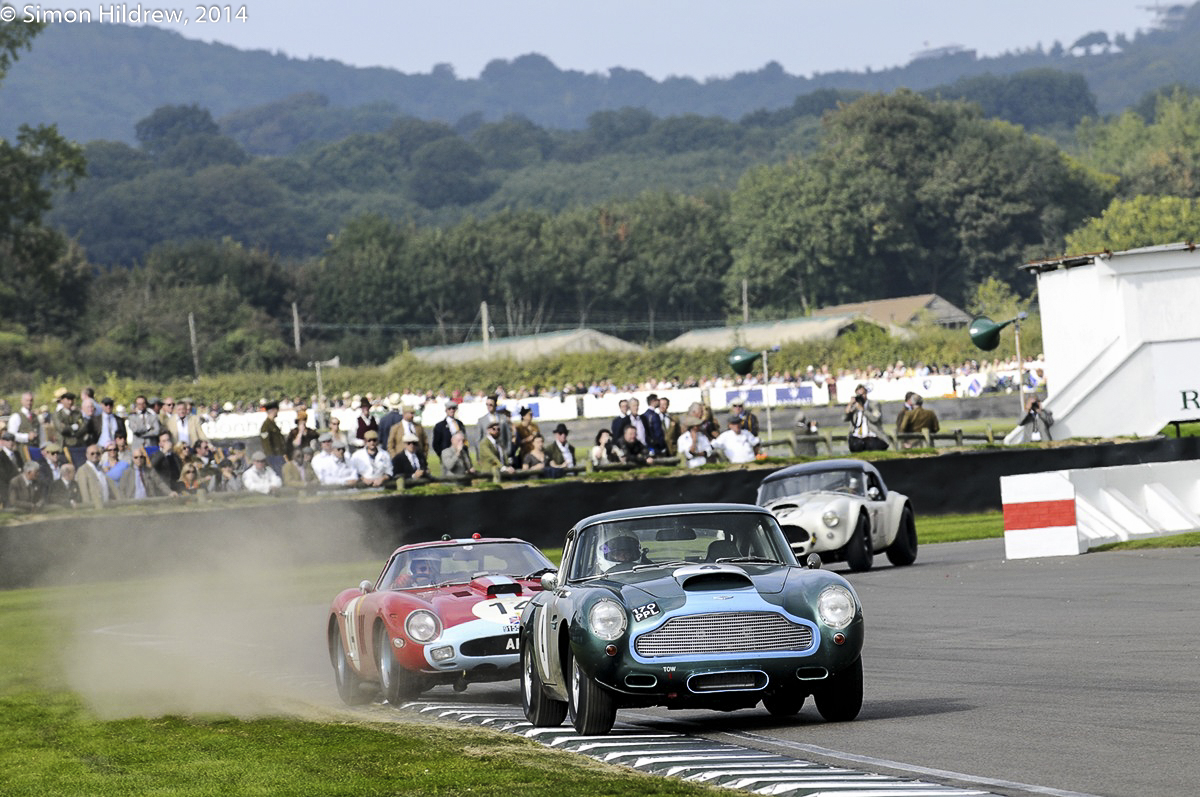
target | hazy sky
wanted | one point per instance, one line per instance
(699, 38)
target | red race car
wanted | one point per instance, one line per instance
(440, 612)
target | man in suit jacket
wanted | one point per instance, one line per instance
(407, 426)
(140, 481)
(106, 423)
(95, 488)
(410, 463)
(656, 439)
(64, 491)
(68, 422)
(561, 453)
(184, 425)
(444, 429)
(24, 493)
(491, 453)
(11, 463)
(918, 419)
(503, 430)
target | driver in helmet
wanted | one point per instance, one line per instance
(424, 569)
(620, 553)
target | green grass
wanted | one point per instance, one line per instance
(955, 528)
(1187, 540)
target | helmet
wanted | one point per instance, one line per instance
(425, 568)
(620, 550)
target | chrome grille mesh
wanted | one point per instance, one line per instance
(724, 632)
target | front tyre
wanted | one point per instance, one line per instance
(903, 550)
(541, 711)
(859, 554)
(592, 710)
(349, 685)
(841, 697)
(397, 684)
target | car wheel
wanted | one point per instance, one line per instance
(859, 554)
(540, 710)
(784, 703)
(397, 684)
(840, 698)
(592, 710)
(903, 550)
(349, 685)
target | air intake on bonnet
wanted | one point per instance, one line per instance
(715, 582)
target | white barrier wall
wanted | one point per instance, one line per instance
(1066, 512)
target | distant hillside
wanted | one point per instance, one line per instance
(96, 81)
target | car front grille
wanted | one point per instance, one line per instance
(724, 632)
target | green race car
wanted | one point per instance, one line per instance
(688, 606)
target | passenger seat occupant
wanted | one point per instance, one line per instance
(721, 549)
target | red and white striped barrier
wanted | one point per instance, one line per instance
(1039, 515)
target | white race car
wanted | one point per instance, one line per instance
(841, 509)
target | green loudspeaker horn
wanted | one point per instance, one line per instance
(985, 333)
(742, 360)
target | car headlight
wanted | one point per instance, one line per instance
(607, 619)
(422, 626)
(837, 606)
(831, 518)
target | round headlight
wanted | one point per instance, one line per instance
(836, 606)
(607, 619)
(422, 626)
(830, 518)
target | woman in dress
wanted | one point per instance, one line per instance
(536, 458)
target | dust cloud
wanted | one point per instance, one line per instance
(226, 614)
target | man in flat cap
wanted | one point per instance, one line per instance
(273, 443)
(260, 478)
(68, 422)
(24, 494)
(371, 463)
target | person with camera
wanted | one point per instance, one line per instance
(1036, 423)
(866, 423)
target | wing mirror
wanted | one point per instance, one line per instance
(550, 581)
(873, 493)
(366, 586)
(813, 562)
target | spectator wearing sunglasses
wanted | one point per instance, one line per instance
(139, 481)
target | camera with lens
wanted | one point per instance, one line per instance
(860, 399)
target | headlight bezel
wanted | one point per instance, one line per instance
(612, 625)
(831, 518)
(837, 606)
(425, 634)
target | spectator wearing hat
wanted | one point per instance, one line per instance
(260, 477)
(273, 444)
(735, 443)
(11, 462)
(106, 423)
(25, 425)
(493, 453)
(390, 418)
(366, 422)
(445, 429)
(298, 473)
(338, 472)
(51, 464)
(24, 493)
(410, 463)
(523, 433)
(226, 480)
(693, 445)
(749, 419)
(456, 457)
(68, 422)
(503, 436)
(142, 423)
(139, 481)
(371, 463)
(301, 436)
(95, 488)
(560, 453)
(407, 425)
(324, 453)
(184, 425)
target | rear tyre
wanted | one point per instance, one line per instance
(397, 684)
(784, 704)
(349, 685)
(541, 711)
(592, 710)
(840, 699)
(903, 550)
(858, 551)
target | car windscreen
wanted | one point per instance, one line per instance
(460, 563)
(841, 481)
(673, 540)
